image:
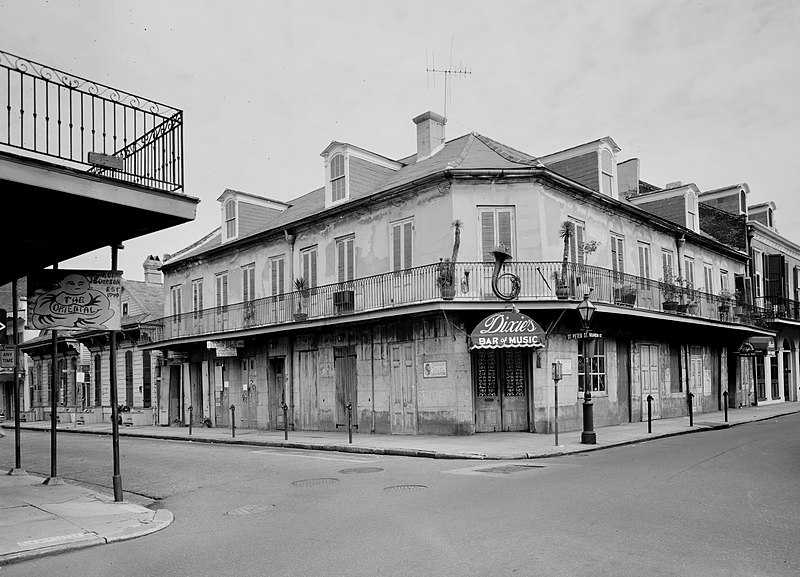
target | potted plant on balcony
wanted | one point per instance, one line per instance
(301, 285)
(690, 305)
(724, 304)
(671, 292)
(446, 271)
(566, 233)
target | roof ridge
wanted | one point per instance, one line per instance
(463, 154)
(507, 152)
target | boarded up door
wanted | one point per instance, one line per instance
(649, 377)
(487, 405)
(404, 391)
(344, 362)
(250, 392)
(307, 390)
(277, 393)
(174, 393)
(623, 382)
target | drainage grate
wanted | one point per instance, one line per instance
(361, 470)
(507, 469)
(314, 482)
(249, 510)
(405, 488)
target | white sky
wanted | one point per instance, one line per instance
(705, 92)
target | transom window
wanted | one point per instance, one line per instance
(338, 191)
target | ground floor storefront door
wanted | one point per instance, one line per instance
(501, 389)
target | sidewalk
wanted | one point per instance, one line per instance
(36, 519)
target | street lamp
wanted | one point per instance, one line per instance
(586, 312)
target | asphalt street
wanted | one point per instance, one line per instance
(720, 503)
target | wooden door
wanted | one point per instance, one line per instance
(277, 392)
(174, 393)
(514, 409)
(696, 383)
(307, 390)
(404, 391)
(623, 382)
(344, 365)
(247, 375)
(487, 399)
(649, 377)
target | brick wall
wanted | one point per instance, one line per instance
(725, 227)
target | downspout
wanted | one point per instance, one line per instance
(372, 373)
(290, 238)
(679, 243)
(750, 266)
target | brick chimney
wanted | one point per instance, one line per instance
(152, 274)
(430, 134)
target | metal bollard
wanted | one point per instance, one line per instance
(725, 403)
(556, 423)
(649, 413)
(350, 426)
(191, 418)
(285, 421)
(233, 420)
(691, 414)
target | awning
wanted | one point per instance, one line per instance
(757, 346)
(507, 329)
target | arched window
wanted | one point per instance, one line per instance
(337, 178)
(230, 219)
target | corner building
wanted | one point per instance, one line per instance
(339, 298)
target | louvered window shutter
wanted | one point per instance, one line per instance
(487, 235)
(312, 278)
(577, 242)
(504, 229)
(407, 245)
(341, 264)
(397, 246)
(350, 260)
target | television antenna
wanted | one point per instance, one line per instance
(447, 73)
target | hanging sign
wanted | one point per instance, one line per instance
(74, 300)
(507, 329)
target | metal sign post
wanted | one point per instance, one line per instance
(557, 376)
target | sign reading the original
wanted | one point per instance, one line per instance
(225, 348)
(434, 369)
(507, 329)
(74, 300)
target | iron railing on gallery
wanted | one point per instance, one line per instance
(538, 281)
(49, 114)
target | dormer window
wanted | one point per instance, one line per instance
(230, 219)
(338, 191)
(606, 173)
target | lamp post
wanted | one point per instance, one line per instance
(586, 311)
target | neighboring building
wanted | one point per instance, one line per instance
(7, 338)
(773, 284)
(369, 328)
(84, 362)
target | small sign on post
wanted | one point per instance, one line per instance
(557, 376)
(7, 358)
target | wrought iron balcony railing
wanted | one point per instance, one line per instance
(779, 308)
(473, 282)
(52, 114)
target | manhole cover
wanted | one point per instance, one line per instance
(314, 482)
(405, 488)
(249, 510)
(507, 469)
(361, 470)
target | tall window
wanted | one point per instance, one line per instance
(98, 390)
(758, 267)
(688, 272)
(667, 265)
(576, 243)
(146, 380)
(197, 298)
(708, 278)
(338, 191)
(592, 364)
(175, 299)
(617, 256)
(308, 258)
(230, 219)
(607, 172)
(221, 282)
(345, 265)
(248, 282)
(276, 273)
(644, 259)
(402, 244)
(129, 378)
(497, 227)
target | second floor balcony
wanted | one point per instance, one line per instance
(473, 284)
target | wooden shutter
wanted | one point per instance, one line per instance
(397, 246)
(773, 271)
(504, 229)
(487, 235)
(407, 244)
(340, 264)
(617, 256)
(350, 260)
(577, 254)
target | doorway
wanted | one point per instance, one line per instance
(344, 365)
(404, 390)
(277, 392)
(501, 389)
(650, 380)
